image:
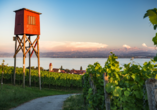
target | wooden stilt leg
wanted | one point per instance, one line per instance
(39, 63)
(29, 63)
(15, 60)
(24, 61)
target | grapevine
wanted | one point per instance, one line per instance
(125, 87)
(56, 79)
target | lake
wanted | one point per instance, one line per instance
(69, 63)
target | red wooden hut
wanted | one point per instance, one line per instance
(27, 22)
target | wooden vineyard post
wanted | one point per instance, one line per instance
(38, 62)
(91, 82)
(106, 96)
(49, 80)
(2, 80)
(151, 87)
(15, 39)
(83, 82)
(24, 61)
(29, 63)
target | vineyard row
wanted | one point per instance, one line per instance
(47, 78)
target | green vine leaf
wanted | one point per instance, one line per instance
(155, 39)
(127, 76)
(152, 14)
(135, 77)
(155, 58)
(126, 93)
(127, 83)
(126, 108)
(137, 94)
(117, 91)
(109, 87)
(156, 76)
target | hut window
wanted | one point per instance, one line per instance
(31, 20)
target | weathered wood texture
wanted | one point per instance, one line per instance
(22, 46)
(38, 62)
(15, 39)
(24, 61)
(31, 46)
(19, 46)
(91, 82)
(83, 82)
(27, 22)
(106, 95)
(2, 80)
(29, 63)
(151, 87)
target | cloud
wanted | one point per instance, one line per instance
(9, 48)
(49, 46)
(126, 46)
(152, 48)
(144, 45)
(70, 46)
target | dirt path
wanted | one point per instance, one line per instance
(45, 103)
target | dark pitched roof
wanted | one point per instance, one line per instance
(27, 10)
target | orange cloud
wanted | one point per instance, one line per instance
(70, 46)
(153, 48)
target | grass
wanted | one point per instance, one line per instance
(12, 96)
(74, 102)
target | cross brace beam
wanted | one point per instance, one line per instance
(32, 45)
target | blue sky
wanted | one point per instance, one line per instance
(82, 24)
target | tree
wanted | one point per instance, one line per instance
(61, 68)
(41, 68)
(3, 68)
(81, 68)
(32, 67)
(152, 14)
(67, 70)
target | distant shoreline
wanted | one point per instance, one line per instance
(86, 57)
(87, 54)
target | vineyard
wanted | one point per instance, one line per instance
(47, 78)
(125, 88)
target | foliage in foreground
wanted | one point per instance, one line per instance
(124, 87)
(152, 15)
(12, 96)
(74, 102)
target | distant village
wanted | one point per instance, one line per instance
(79, 72)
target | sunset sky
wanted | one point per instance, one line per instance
(70, 25)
